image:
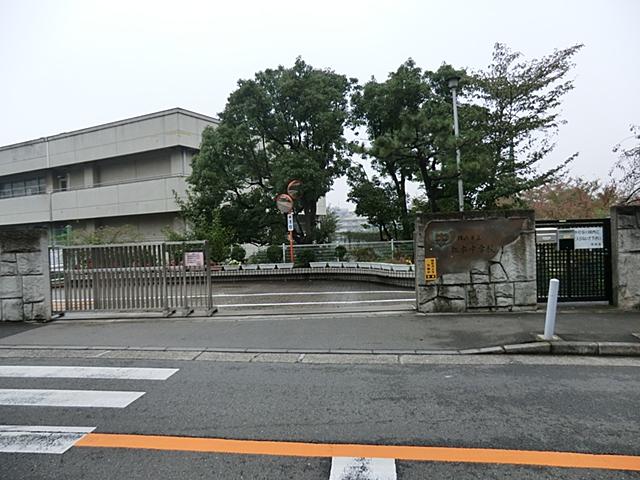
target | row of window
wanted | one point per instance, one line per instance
(20, 188)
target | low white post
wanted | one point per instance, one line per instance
(552, 304)
(284, 253)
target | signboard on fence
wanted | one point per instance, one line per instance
(587, 237)
(194, 259)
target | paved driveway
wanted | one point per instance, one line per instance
(316, 296)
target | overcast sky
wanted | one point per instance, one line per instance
(72, 64)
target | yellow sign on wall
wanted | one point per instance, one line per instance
(430, 269)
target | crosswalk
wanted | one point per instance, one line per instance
(57, 439)
(39, 439)
(347, 468)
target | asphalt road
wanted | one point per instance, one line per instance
(586, 407)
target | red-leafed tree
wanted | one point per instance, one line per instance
(573, 198)
(627, 168)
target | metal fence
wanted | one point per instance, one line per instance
(164, 276)
(584, 273)
(394, 250)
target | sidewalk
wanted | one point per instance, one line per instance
(370, 331)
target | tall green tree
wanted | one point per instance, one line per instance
(408, 120)
(508, 117)
(285, 124)
(522, 103)
(378, 202)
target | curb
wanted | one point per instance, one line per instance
(626, 349)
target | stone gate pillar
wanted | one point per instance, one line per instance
(25, 291)
(625, 256)
(476, 261)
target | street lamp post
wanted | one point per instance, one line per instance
(453, 85)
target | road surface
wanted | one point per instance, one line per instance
(172, 419)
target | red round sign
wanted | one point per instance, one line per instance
(284, 203)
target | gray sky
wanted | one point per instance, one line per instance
(72, 64)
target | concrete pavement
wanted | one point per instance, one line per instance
(379, 331)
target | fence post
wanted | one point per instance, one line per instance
(67, 270)
(284, 253)
(393, 250)
(185, 300)
(165, 287)
(207, 269)
(95, 283)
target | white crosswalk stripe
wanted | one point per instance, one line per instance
(40, 439)
(348, 468)
(117, 373)
(67, 398)
(54, 439)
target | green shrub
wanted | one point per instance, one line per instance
(303, 257)
(274, 253)
(237, 253)
(365, 254)
(341, 252)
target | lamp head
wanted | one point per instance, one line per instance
(453, 81)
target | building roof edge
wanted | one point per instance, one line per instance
(117, 123)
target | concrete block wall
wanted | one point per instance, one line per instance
(502, 280)
(25, 292)
(625, 249)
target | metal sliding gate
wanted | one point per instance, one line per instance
(164, 276)
(578, 253)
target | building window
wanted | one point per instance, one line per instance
(63, 183)
(31, 187)
(5, 190)
(20, 188)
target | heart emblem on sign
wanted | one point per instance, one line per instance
(441, 238)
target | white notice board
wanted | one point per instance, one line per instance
(587, 237)
(194, 259)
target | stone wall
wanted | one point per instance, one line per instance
(625, 249)
(24, 274)
(485, 261)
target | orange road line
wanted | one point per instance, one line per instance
(299, 449)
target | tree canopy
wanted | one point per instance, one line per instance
(285, 124)
(508, 117)
(289, 123)
(408, 122)
(627, 168)
(572, 198)
(521, 100)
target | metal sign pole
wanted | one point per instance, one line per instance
(290, 229)
(291, 258)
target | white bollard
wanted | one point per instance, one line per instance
(552, 304)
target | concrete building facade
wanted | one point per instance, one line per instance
(120, 173)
